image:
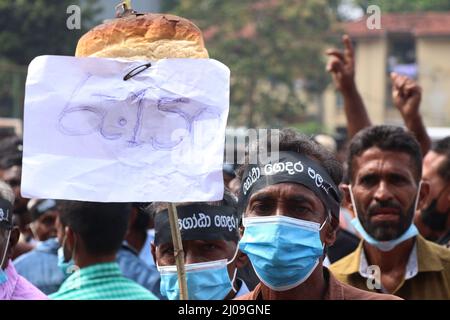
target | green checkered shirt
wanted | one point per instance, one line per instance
(102, 281)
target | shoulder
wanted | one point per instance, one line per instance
(25, 258)
(26, 291)
(442, 252)
(433, 256)
(349, 262)
(352, 293)
(136, 290)
(252, 295)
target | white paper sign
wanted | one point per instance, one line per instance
(91, 135)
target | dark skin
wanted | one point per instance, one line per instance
(196, 251)
(12, 176)
(135, 238)
(14, 238)
(341, 65)
(76, 248)
(44, 227)
(295, 201)
(22, 221)
(22, 217)
(406, 95)
(439, 189)
(381, 176)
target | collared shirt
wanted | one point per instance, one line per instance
(102, 281)
(431, 281)
(40, 266)
(445, 240)
(336, 290)
(136, 269)
(18, 288)
(412, 267)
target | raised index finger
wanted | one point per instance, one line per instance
(349, 51)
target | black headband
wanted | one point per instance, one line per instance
(199, 222)
(291, 167)
(6, 214)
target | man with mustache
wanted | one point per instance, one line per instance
(385, 190)
(433, 221)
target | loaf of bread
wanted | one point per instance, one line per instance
(143, 37)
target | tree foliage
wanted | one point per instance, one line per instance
(273, 48)
(30, 28)
(407, 5)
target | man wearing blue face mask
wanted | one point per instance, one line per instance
(12, 285)
(93, 234)
(210, 235)
(385, 190)
(291, 213)
(39, 266)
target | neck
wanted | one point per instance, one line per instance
(231, 295)
(314, 288)
(136, 240)
(396, 259)
(85, 260)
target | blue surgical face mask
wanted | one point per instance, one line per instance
(205, 281)
(384, 245)
(67, 267)
(3, 275)
(284, 251)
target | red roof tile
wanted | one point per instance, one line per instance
(419, 24)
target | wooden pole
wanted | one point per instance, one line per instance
(178, 251)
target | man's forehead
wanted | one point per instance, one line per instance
(375, 159)
(285, 190)
(192, 244)
(432, 163)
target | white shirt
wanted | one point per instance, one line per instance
(412, 267)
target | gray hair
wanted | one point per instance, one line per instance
(6, 192)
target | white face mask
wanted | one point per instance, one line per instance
(384, 245)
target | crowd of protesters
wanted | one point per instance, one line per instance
(371, 225)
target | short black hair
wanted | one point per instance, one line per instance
(292, 140)
(10, 152)
(387, 138)
(142, 218)
(101, 226)
(443, 147)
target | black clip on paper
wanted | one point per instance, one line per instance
(136, 71)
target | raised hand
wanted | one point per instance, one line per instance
(406, 94)
(341, 65)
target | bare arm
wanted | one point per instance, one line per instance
(407, 94)
(341, 65)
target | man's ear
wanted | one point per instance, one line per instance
(241, 260)
(13, 240)
(70, 239)
(241, 231)
(330, 233)
(153, 251)
(346, 199)
(423, 194)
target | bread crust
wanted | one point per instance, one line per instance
(142, 37)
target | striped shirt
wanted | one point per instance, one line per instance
(102, 281)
